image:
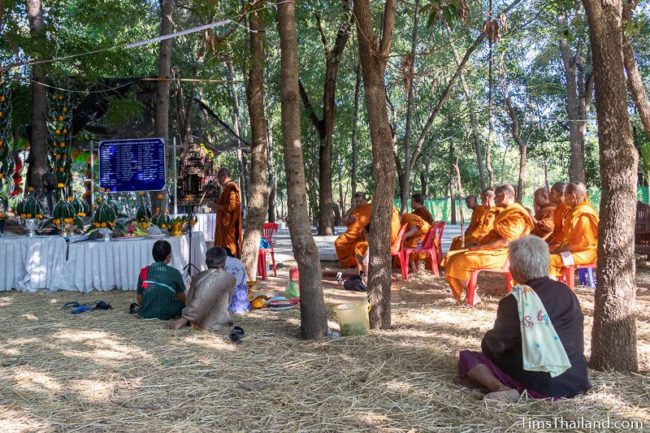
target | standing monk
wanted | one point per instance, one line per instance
(580, 243)
(356, 219)
(512, 222)
(544, 211)
(228, 232)
(417, 204)
(482, 220)
(561, 212)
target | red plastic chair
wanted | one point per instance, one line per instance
(397, 250)
(471, 287)
(428, 247)
(267, 233)
(440, 228)
(570, 273)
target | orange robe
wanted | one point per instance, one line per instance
(346, 242)
(561, 212)
(424, 213)
(395, 225)
(544, 222)
(581, 236)
(513, 222)
(479, 227)
(422, 225)
(228, 231)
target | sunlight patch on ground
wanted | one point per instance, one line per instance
(36, 381)
(6, 301)
(14, 421)
(29, 316)
(92, 391)
(208, 340)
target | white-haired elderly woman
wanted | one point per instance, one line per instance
(536, 344)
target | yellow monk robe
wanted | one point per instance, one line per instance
(422, 226)
(513, 222)
(395, 224)
(484, 225)
(581, 237)
(561, 212)
(346, 242)
(424, 213)
(228, 232)
(544, 222)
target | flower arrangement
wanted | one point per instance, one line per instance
(60, 137)
(6, 133)
(29, 208)
(105, 216)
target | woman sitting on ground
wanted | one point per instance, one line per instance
(536, 344)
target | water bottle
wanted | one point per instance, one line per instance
(420, 244)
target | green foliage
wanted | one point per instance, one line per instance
(124, 111)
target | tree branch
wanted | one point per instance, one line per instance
(389, 27)
(214, 115)
(315, 120)
(323, 38)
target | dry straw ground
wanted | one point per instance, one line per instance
(110, 372)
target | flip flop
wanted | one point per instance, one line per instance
(101, 305)
(239, 331)
(81, 309)
(234, 337)
(134, 308)
(72, 304)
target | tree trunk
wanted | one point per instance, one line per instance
(424, 177)
(273, 182)
(405, 183)
(162, 94)
(258, 192)
(575, 112)
(634, 81)
(473, 120)
(523, 149)
(613, 337)
(241, 163)
(373, 55)
(38, 164)
(313, 318)
(355, 120)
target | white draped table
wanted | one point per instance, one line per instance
(91, 265)
(206, 223)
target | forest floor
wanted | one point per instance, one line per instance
(107, 371)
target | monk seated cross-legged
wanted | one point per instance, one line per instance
(356, 219)
(560, 214)
(482, 221)
(415, 232)
(512, 222)
(544, 210)
(580, 243)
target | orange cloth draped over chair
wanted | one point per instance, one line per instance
(424, 213)
(422, 226)
(228, 231)
(581, 238)
(480, 225)
(346, 242)
(395, 224)
(511, 223)
(544, 222)
(561, 212)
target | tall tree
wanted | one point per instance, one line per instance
(313, 318)
(613, 337)
(258, 193)
(38, 164)
(355, 121)
(325, 126)
(373, 53)
(579, 86)
(236, 125)
(159, 200)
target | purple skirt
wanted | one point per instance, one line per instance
(468, 359)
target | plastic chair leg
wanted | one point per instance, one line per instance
(275, 271)
(261, 264)
(404, 265)
(434, 263)
(471, 287)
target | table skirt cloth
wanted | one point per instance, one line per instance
(29, 264)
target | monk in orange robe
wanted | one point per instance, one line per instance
(544, 211)
(228, 231)
(560, 214)
(512, 222)
(417, 204)
(361, 249)
(482, 220)
(416, 230)
(580, 243)
(356, 219)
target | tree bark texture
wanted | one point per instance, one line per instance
(578, 100)
(373, 53)
(406, 176)
(634, 81)
(313, 317)
(272, 182)
(523, 149)
(38, 146)
(258, 193)
(613, 337)
(355, 120)
(236, 124)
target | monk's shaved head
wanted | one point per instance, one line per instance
(487, 192)
(542, 196)
(559, 187)
(487, 197)
(471, 201)
(577, 188)
(542, 192)
(506, 189)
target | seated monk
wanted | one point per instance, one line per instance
(491, 252)
(209, 296)
(544, 211)
(561, 212)
(416, 230)
(502, 367)
(361, 249)
(481, 223)
(580, 242)
(356, 219)
(417, 204)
